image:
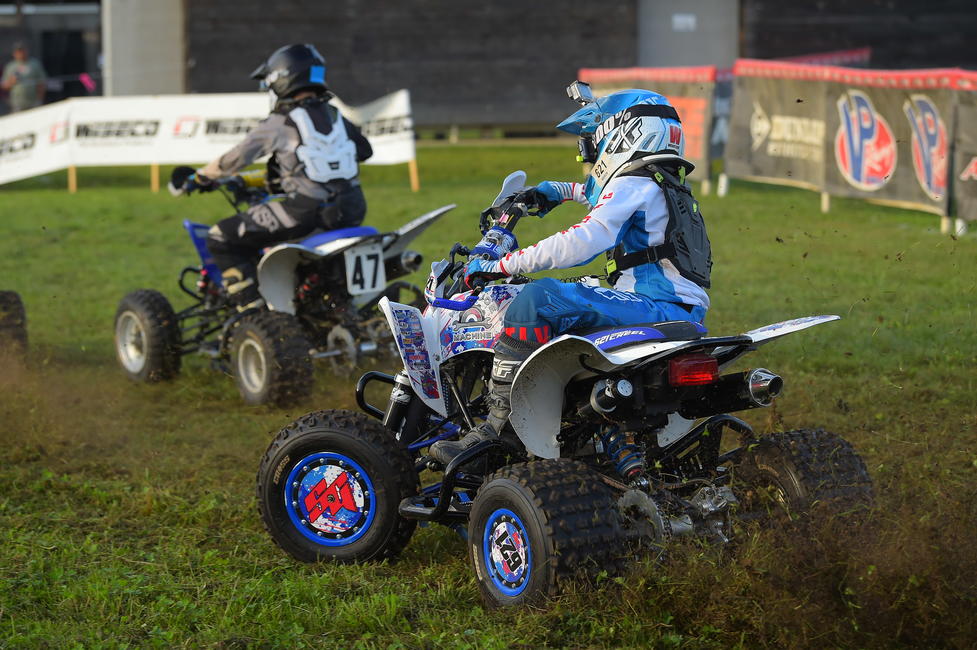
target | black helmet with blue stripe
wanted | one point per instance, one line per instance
(291, 69)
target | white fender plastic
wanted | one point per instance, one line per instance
(276, 270)
(771, 332)
(410, 230)
(539, 384)
(537, 390)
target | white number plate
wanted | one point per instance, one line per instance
(364, 269)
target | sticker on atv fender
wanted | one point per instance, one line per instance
(365, 272)
(606, 340)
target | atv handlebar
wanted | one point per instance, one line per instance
(238, 189)
(496, 224)
(457, 305)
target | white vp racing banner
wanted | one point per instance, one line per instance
(170, 129)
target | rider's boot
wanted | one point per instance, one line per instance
(509, 355)
(242, 289)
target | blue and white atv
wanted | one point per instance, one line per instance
(619, 440)
(321, 295)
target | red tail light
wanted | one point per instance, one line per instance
(693, 370)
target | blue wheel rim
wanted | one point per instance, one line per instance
(330, 499)
(506, 554)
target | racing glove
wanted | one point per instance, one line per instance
(549, 194)
(203, 183)
(487, 270)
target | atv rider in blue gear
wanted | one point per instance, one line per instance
(634, 138)
(315, 155)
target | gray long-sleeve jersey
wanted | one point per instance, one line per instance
(277, 134)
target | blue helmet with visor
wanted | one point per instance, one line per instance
(619, 131)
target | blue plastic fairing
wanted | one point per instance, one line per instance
(198, 235)
(342, 233)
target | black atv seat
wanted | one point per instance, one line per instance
(609, 338)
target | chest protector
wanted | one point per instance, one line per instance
(686, 244)
(326, 156)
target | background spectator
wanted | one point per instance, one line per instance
(24, 78)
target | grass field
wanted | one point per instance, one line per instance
(127, 511)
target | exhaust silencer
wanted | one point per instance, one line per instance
(763, 386)
(406, 262)
(744, 390)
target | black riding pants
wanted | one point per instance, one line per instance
(237, 241)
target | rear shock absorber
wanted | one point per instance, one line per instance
(628, 457)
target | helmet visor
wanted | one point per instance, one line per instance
(260, 72)
(590, 116)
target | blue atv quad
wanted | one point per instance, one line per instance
(321, 294)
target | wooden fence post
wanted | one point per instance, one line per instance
(415, 178)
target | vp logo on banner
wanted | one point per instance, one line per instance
(865, 148)
(930, 147)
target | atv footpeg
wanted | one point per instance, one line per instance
(448, 504)
(424, 508)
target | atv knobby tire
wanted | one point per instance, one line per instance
(335, 471)
(796, 471)
(147, 336)
(13, 323)
(534, 525)
(270, 359)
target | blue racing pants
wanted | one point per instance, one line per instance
(547, 308)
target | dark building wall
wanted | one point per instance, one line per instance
(901, 33)
(496, 62)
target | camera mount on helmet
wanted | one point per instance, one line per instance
(580, 92)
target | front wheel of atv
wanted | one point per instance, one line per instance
(329, 488)
(13, 323)
(535, 524)
(147, 336)
(270, 359)
(792, 472)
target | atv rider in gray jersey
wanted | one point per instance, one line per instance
(315, 155)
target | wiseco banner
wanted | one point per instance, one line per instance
(883, 135)
(690, 90)
(170, 129)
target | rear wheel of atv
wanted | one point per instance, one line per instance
(147, 336)
(270, 359)
(535, 524)
(794, 471)
(13, 323)
(329, 488)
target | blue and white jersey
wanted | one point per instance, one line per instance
(631, 211)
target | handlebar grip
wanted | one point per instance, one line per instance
(457, 305)
(478, 283)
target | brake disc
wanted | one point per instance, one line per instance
(341, 342)
(650, 526)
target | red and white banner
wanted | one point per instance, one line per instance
(170, 129)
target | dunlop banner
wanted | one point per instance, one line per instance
(690, 90)
(777, 131)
